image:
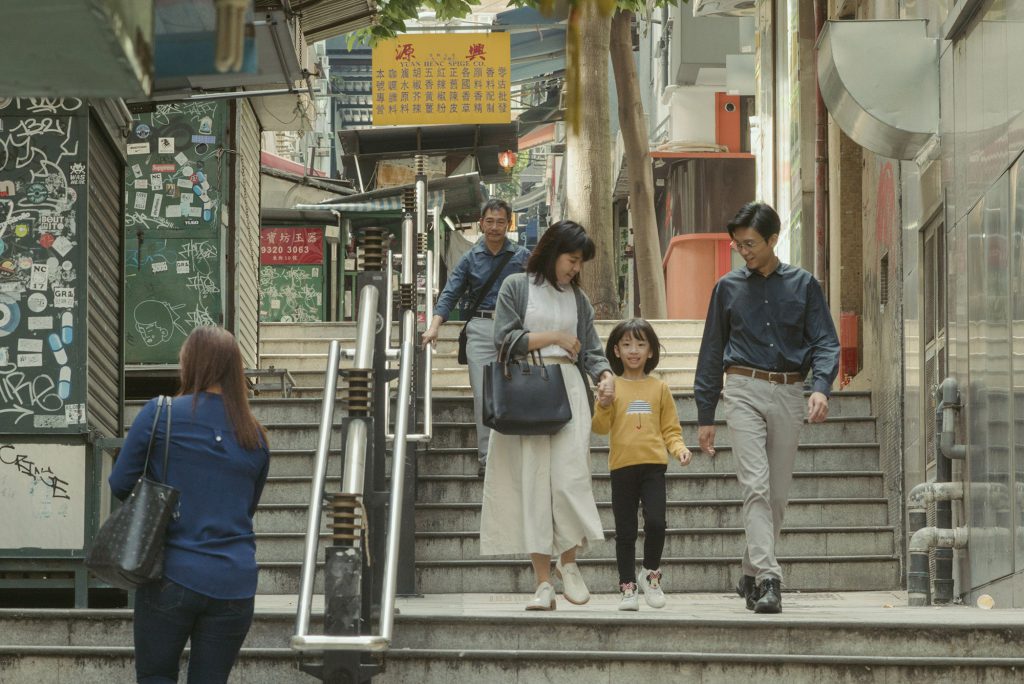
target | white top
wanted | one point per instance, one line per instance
(548, 310)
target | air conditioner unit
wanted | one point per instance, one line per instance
(733, 8)
(320, 48)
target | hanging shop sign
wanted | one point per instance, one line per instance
(291, 275)
(442, 79)
(291, 246)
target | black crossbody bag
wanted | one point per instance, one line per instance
(463, 341)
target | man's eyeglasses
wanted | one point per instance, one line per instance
(747, 245)
(490, 223)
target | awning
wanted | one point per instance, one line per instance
(323, 19)
(460, 196)
(538, 43)
(538, 136)
(484, 141)
(539, 195)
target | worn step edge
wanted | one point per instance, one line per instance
(683, 656)
(469, 534)
(468, 505)
(726, 560)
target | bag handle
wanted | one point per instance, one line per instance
(505, 354)
(487, 284)
(160, 403)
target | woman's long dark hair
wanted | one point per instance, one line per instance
(561, 238)
(210, 356)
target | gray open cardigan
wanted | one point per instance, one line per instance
(508, 320)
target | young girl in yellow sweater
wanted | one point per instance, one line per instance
(641, 418)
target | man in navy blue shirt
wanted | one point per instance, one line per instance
(465, 281)
(768, 326)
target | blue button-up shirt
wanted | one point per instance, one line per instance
(776, 323)
(473, 270)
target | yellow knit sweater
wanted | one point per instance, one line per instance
(642, 422)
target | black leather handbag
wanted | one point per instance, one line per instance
(521, 398)
(128, 550)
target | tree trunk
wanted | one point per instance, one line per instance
(636, 142)
(588, 151)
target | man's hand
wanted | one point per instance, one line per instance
(429, 336)
(817, 407)
(706, 437)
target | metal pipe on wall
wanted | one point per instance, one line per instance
(821, 216)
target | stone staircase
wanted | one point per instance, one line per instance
(470, 626)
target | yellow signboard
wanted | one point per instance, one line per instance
(442, 79)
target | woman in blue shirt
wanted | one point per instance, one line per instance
(219, 461)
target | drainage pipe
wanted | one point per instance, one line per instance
(949, 405)
(921, 543)
(918, 580)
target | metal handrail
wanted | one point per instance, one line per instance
(352, 482)
(316, 495)
(381, 642)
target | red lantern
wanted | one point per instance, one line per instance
(507, 160)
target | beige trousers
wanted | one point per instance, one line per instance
(764, 421)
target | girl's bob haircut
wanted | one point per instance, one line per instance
(561, 238)
(638, 329)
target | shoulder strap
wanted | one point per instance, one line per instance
(490, 281)
(152, 434)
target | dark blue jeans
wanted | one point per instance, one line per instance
(167, 615)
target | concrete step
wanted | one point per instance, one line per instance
(346, 329)
(463, 461)
(445, 359)
(858, 636)
(700, 542)
(431, 666)
(681, 486)
(805, 573)
(444, 517)
(710, 543)
(460, 409)
(810, 573)
(95, 664)
(810, 457)
(846, 430)
(842, 405)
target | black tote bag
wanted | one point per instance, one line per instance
(520, 398)
(128, 550)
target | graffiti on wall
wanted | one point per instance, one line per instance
(43, 172)
(43, 488)
(174, 189)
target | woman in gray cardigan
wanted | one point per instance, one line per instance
(538, 498)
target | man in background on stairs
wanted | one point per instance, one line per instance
(768, 326)
(465, 283)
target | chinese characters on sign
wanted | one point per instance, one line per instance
(291, 246)
(442, 79)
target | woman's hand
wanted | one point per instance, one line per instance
(569, 343)
(605, 397)
(606, 386)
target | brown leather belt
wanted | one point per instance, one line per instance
(777, 377)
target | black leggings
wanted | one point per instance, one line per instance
(631, 487)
